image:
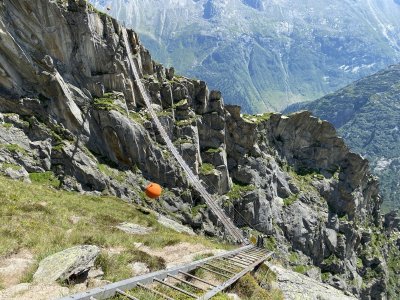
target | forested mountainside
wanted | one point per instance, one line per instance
(266, 54)
(71, 111)
(367, 115)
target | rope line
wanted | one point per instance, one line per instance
(228, 224)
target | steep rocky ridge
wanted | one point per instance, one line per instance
(70, 107)
(366, 113)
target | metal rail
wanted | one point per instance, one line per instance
(123, 287)
(193, 179)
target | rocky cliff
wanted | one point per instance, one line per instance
(70, 108)
(356, 111)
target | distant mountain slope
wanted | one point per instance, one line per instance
(367, 115)
(266, 54)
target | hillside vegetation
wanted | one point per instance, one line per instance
(43, 220)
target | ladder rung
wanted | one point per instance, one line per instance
(238, 261)
(176, 288)
(225, 270)
(186, 282)
(126, 295)
(234, 263)
(252, 256)
(154, 291)
(197, 278)
(255, 256)
(233, 268)
(215, 272)
(244, 259)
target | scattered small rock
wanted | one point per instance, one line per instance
(139, 268)
(134, 228)
(174, 225)
(20, 173)
(95, 273)
(74, 219)
(232, 296)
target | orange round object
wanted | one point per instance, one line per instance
(153, 190)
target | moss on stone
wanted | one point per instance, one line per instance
(207, 169)
(238, 190)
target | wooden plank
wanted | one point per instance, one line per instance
(222, 269)
(176, 288)
(232, 280)
(187, 282)
(198, 279)
(126, 295)
(244, 258)
(109, 290)
(230, 266)
(154, 292)
(238, 261)
(238, 265)
(250, 255)
(215, 272)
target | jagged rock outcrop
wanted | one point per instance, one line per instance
(70, 105)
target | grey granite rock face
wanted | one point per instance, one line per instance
(69, 104)
(297, 286)
(133, 228)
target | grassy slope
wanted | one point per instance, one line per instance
(39, 218)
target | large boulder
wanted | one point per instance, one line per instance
(68, 263)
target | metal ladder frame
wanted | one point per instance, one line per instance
(121, 287)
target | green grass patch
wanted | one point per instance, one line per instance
(294, 257)
(118, 175)
(14, 148)
(238, 190)
(257, 119)
(359, 263)
(180, 103)
(7, 125)
(116, 267)
(270, 243)
(12, 166)
(202, 256)
(252, 287)
(46, 178)
(325, 276)
(207, 169)
(214, 150)
(164, 113)
(137, 117)
(107, 102)
(196, 209)
(290, 200)
(38, 218)
(302, 269)
(186, 122)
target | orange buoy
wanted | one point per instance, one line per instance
(153, 190)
